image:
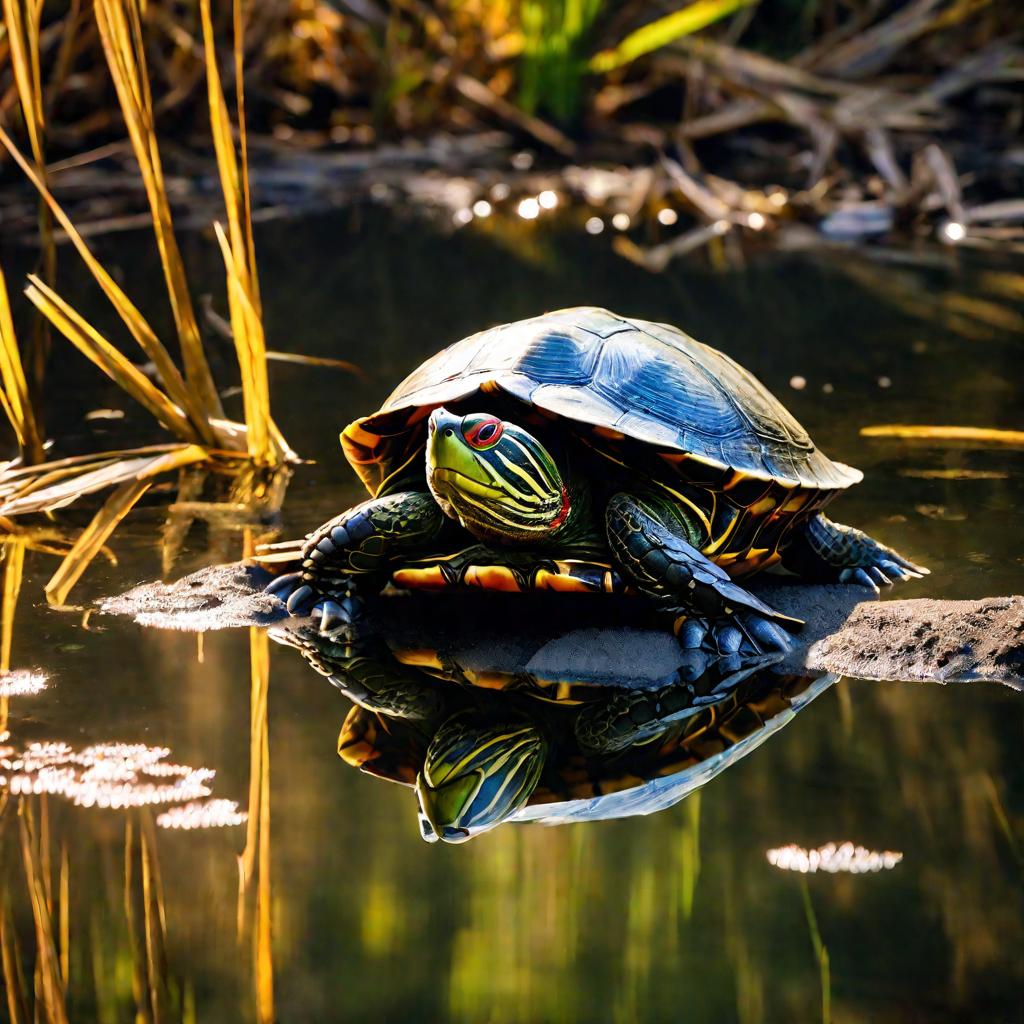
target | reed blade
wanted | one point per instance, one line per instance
(264, 443)
(120, 29)
(946, 434)
(98, 350)
(665, 30)
(93, 537)
(71, 487)
(50, 991)
(14, 979)
(136, 323)
(15, 396)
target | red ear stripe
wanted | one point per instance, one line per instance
(485, 433)
(563, 512)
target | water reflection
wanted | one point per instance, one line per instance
(482, 744)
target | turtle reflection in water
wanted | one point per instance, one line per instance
(583, 451)
(483, 747)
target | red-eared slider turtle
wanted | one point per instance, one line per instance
(477, 758)
(582, 450)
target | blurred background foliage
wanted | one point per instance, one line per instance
(367, 70)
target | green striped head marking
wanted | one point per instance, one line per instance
(492, 476)
(476, 774)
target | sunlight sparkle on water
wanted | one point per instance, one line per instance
(22, 683)
(203, 814)
(529, 208)
(103, 775)
(954, 231)
(833, 858)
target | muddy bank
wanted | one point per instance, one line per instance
(610, 639)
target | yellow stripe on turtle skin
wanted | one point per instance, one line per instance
(418, 657)
(492, 577)
(490, 680)
(755, 561)
(538, 515)
(695, 508)
(421, 579)
(562, 583)
(522, 474)
(562, 690)
(542, 473)
(716, 544)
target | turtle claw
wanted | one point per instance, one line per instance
(730, 639)
(859, 577)
(340, 617)
(281, 587)
(769, 635)
(904, 570)
(331, 616)
(743, 635)
(299, 599)
(875, 572)
(691, 635)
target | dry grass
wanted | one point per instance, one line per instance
(963, 436)
(50, 998)
(186, 404)
(120, 28)
(14, 396)
(22, 19)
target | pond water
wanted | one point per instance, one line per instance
(343, 910)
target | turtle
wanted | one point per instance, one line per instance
(477, 756)
(586, 451)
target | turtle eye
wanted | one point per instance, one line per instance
(484, 433)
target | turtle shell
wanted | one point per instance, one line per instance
(623, 378)
(640, 780)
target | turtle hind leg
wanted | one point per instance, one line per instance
(827, 552)
(654, 545)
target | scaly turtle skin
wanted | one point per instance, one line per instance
(582, 450)
(477, 757)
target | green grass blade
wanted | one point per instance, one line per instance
(665, 30)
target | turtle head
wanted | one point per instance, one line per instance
(495, 478)
(476, 774)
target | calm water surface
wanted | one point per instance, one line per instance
(676, 916)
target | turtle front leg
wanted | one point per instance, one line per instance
(655, 544)
(355, 549)
(827, 552)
